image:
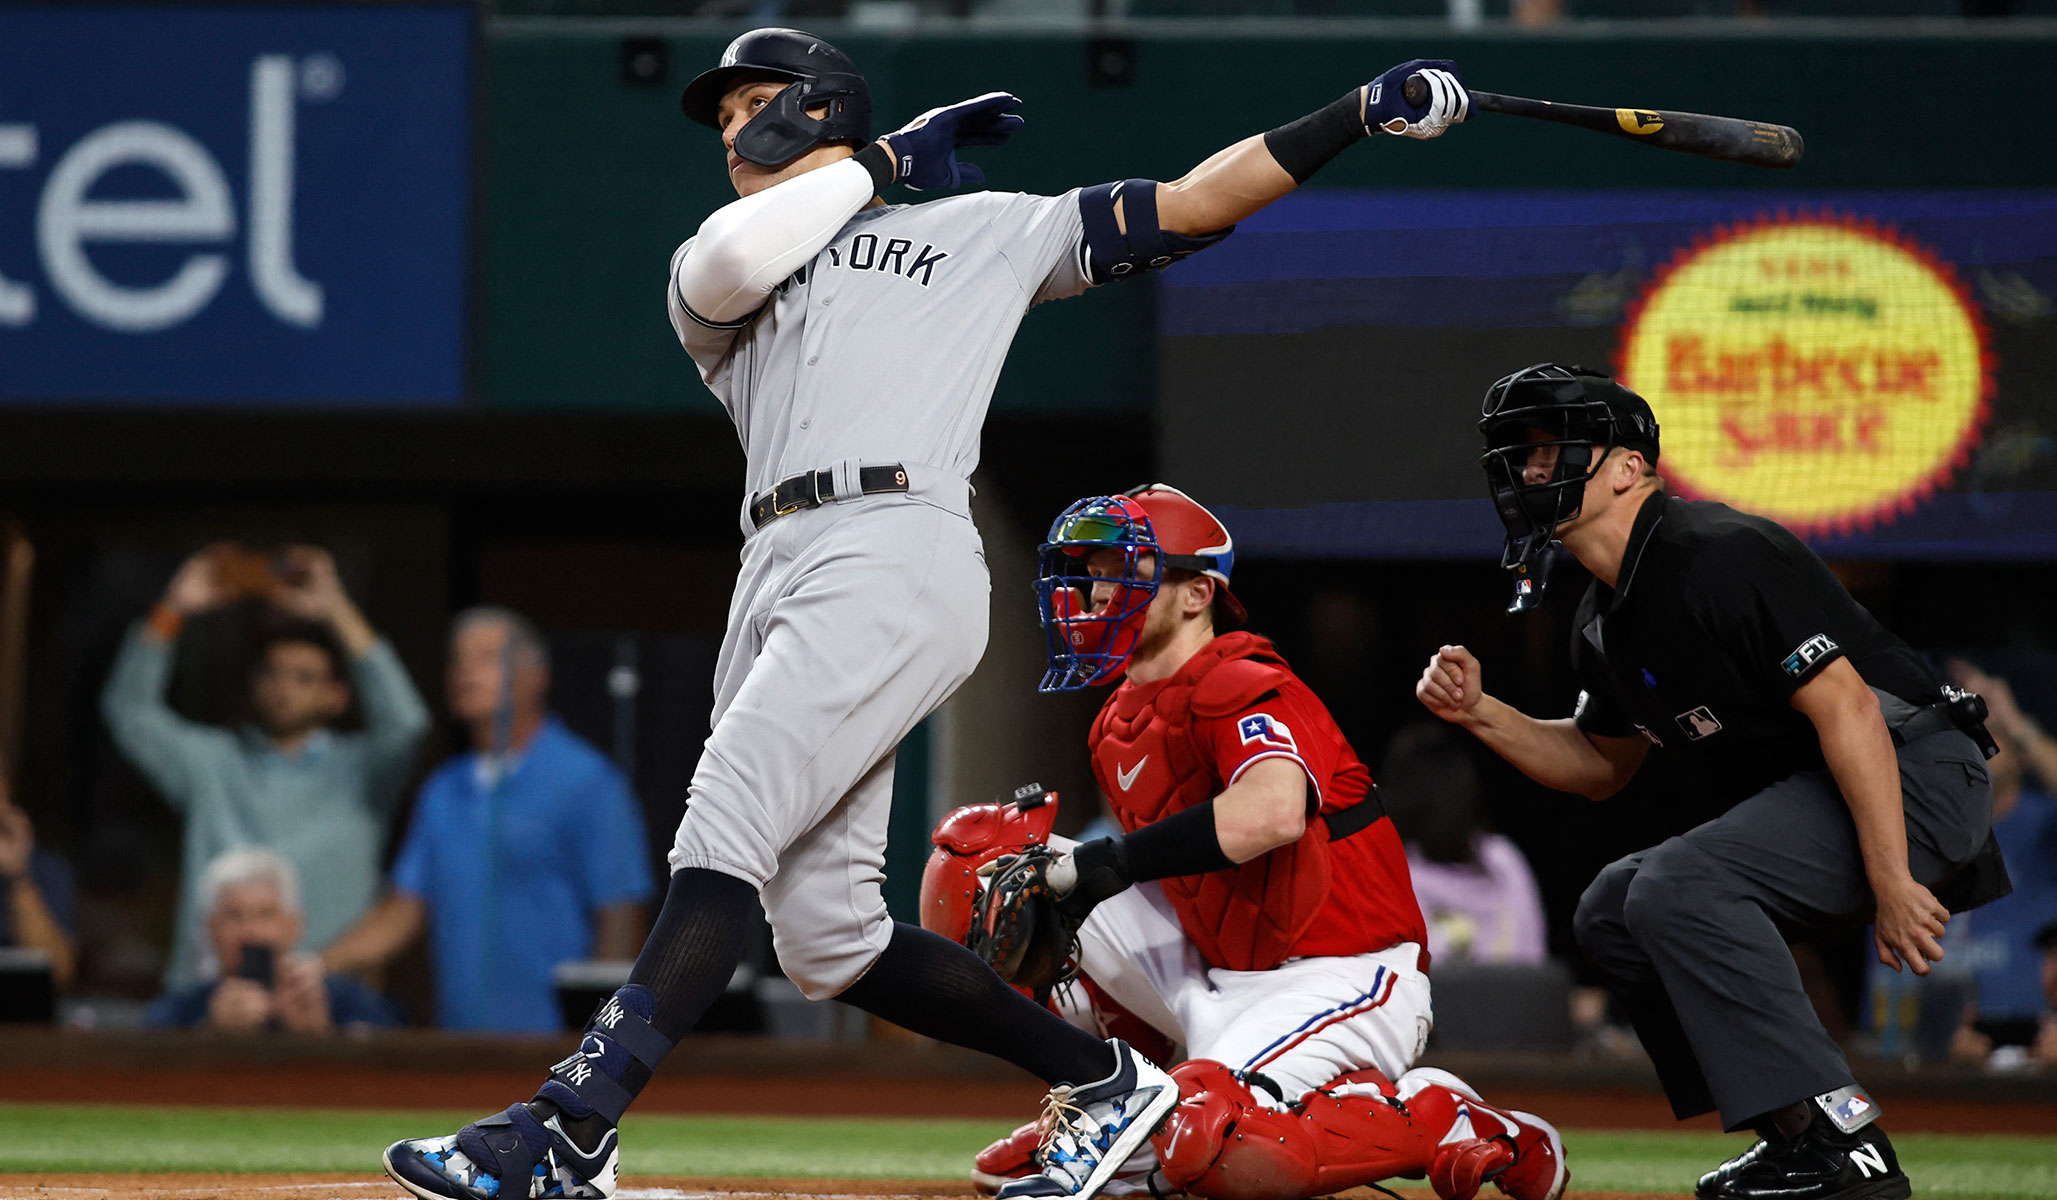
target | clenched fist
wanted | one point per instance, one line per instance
(1451, 686)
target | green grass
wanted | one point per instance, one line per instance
(50, 1138)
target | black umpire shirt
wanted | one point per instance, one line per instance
(1717, 618)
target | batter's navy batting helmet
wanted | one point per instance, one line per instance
(783, 131)
(1548, 427)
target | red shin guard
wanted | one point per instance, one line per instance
(1224, 1144)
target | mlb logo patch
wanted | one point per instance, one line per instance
(1807, 653)
(1265, 730)
(1698, 723)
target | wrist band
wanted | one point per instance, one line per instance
(165, 622)
(1304, 146)
(879, 161)
(1184, 843)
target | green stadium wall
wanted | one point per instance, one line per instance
(592, 180)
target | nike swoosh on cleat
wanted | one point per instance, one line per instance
(588, 1165)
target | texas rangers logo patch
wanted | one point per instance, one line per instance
(1266, 730)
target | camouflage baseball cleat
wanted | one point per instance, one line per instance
(1089, 1132)
(511, 1156)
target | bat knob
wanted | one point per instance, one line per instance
(1415, 90)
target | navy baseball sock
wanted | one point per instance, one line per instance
(935, 987)
(686, 963)
(700, 936)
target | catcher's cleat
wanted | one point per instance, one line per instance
(1459, 1169)
(1518, 1152)
(1539, 1171)
(1088, 1133)
(510, 1156)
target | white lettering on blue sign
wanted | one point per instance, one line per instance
(199, 213)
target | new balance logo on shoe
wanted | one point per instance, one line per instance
(1868, 1160)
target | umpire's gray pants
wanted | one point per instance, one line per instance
(1691, 934)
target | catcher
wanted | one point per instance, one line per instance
(1257, 910)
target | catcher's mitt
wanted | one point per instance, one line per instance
(1019, 926)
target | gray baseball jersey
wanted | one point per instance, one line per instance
(852, 622)
(886, 347)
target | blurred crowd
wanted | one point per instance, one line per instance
(522, 852)
(322, 872)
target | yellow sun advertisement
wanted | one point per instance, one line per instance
(1825, 372)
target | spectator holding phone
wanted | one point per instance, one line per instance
(321, 799)
(251, 901)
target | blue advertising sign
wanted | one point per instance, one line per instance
(234, 205)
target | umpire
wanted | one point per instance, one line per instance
(1855, 785)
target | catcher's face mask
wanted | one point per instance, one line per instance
(1091, 622)
(1547, 430)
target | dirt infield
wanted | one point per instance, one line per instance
(331, 1187)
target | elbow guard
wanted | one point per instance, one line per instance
(1111, 254)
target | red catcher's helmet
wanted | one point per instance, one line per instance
(1187, 531)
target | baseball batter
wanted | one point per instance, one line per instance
(856, 345)
(1257, 908)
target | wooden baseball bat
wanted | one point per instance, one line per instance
(1730, 138)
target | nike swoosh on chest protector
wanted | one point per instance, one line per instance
(1125, 778)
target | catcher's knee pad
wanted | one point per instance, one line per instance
(968, 839)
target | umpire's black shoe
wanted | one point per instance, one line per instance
(1709, 1186)
(1823, 1163)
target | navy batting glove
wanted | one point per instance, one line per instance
(925, 152)
(1386, 109)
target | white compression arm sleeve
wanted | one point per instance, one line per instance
(744, 249)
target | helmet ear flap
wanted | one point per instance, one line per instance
(783, 130)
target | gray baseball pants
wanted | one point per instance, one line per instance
(850, 623)
(1691, 934)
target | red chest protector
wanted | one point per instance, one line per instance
(1247, 917)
